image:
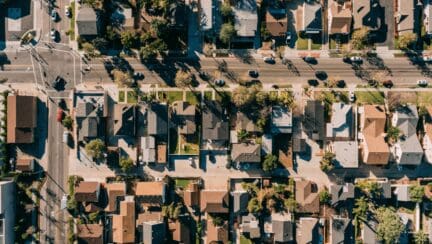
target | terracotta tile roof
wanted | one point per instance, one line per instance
(162, 153)
(374, 122)
(214, 201)
(21, 118)
(277, 26)
(216, 233)
(90, 233)
(341, 21)
(180, 232)
(123, 224)
(114, 190)
(306, 194)
(148, 216)
(87, 191)
(146, 188)
(24, 164)
(191, 195)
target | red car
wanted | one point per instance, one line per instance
(59, 115)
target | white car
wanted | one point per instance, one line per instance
(54, 15)
(422, 83)
(269, 60)
(67, 11)
(427, 58)
(53, 34)
(351, 96)
(65, 136)
(355, 59)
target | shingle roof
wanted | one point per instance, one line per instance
(281, 118)
(341, 231)
(314, 118)
(87, 191)
(90, 233)
(246, 153)
(250, 225)
(184, 117)
(244, 122)
(307, 230)
(346, 154)
(306, 194)
(154, 232)
(312, 16)
(240, 201)
(341, 192)
(405, 16)
(282, 227)
(21, 118)
(276, 24)
(245, 18)
(87, 22)
(124, 119)
(341, 18)
(213, 201)
(342, 122)
(157, 119)
(215, 126)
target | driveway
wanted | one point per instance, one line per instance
(385, 35)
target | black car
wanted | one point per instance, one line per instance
(138, 76)
(253, 73)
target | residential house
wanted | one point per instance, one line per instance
(367, 13)
(373, 145)
(115, 191)
(383, 184)
(341, 126)
(280, 225)
(207, 15)
(177, 15)
(216, 234)
(339, 17)
(214, 124)
(240, 201)
(307, 230)
(124, 119)
(87, 191)
(250, 226)
(184, 117)
(191, 195)
(346, 154)
(247, 123)
(427, 21)
(341, 193)
(306, 195)
(313, 121)
(276, 21)
(267, 144)
(369, 232)
(8, 211)
(123, 17)
(281, 120)
(87, 23)
(405, 16)
(148, 149)
(21, 119)
(154, 232)
(214, 201)
(157, 119)
(342, 230)
(246, 153)
(312, 17)
(427, 137)
(407, 150)
(90, 233)
(402, 192)
(180, 232)
(90, 114)
(25, 164)
(245, 21)
(151, 192)
(123, 224)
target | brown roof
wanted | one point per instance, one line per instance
(180, 232)
(90, 233)
(148, 216)
(24, 164)
(162, 153)
(216, 233)
(214, 201)
(147, 188)
(306, 194)
(21, 118)
(341, 18)
(123, 224)
(284, 150)
(87, 191)
(375, 149)
(191, 195)
(91, 208)
(114, 190)
(277, 26)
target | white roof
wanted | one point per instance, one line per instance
(346, 153)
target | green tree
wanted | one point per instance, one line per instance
(270, 162)
(242, 135)
(416, 193)
(67, 122)
(94, 217)
(287, 99)
(159, 26)
(251, 188)
(226, 10)
(217, 220)
(183, 79)
(406, 40)
(290, 204)
(370, 188)
(126, 164)
(421, 237)
(95, 149)
(227, 32)
(88, 48)
(360, 38)
(361, 207)
(128, 39)
(389, 226)
(172, 211)
(243, 96)
(122, 79)
(100, 43)
(324, 197)
(326, 162)
(393, 134)
(254, 205)
(111, 34)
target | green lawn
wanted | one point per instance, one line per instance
(244, 240)
(302, 44)
(193, 97)
(183, 183)
(190, 147)
(316, 46)
(220, 96)
(121, 96)
(132, 97)
(369, 97)
(171, 96)
(72, 21)
(208, 95)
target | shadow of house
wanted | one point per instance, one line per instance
(312, 18)
(14, 11)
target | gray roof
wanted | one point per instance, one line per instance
(314, 119)
(386, 189)
(157, 120)
(87, 22)
(346, 154)
(341, 124)
(90, 123)
(341, 231)
(341, 192)
(240, 201)
(207, 18)
(428, 16)
(250, 225)
(281, 119)
(154, 232)
(368, 232)
(307, 230)
(312, 16)
(283, 230)
(406, 113)
(365, 15)
(402, 193)
(246, 153)
(148, 147)
(405, 16)
(215, 126)
(299, 145)
(245, 18)
(429, 221)
(124, 119)
(244, 122)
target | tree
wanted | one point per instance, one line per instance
(159, 26)
(287, 99)
(126, 164)
(416, 193)
(389, 226)
(270, 162)
(151, 50)
(243, 96)
(290, 204)
(67, 122)
(254, 205)
(361, 207)
(217, 220)
(88, 48)
(262, 98)
(128, 39)
(94, 217)
(172, 211)
(226, 10)
(100, 43)
(325, 197)
(227, 32)
(111, 34)
(406, 40)
(421, 237)
(327, 161)
(381, 76)
(371, 188)
(122, 79)
(251, 188)
(393, 134)
(95, 149)
(183, 79)
(360, 38)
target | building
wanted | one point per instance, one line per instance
(216, 234)
(115, 191)
(151, 192)
(341, 126)
(312, 17)
(123, 224)
(247, 123)
(246, 153)
(368, 232)
(341, 193)
(214, 124)
(306, 195)
(180, 232)
(250, 226)
(427, 21)
(25, 164)
(87, 23)
(339, 18)
(346, 154)
(245, 20)
(407, 149)
(184, 117)
(342, 230)
(87, 191)
(276, 21)
(90, 114)
(240, 199)
(214, 201)
(7, 211)
(307, 230)
(280, 225)
(157, 121)
(148, 149)
(21, 119)
(154, 232)
(90, 233)
(281, 120)
(405, 15)
(374, 148)
(427, 137)
(124, 119)
(402, 192)
(313, 121)
(366, 13)
(207, 15)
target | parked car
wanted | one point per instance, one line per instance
(269, 60)
(310, 60)
(356, 59)
(53, 34)
(59, 115)
(351, 96)
(422, 83)
(54, 15)
(57, 82)
(67, 11)
(427, 59)
(138, 76)
(253, 73)
(288, 38)
(219, 82)
(65, 136)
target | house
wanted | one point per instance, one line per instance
(313, 121)
(276, 21)
(307, 230)
(246, 123)
(214, 123)
(284, 150)
(383, 184)
(207, 15)
(341, 126)
(90, 233)
(157, 121)
(240, 199)
(405, 15)
(124, 119)
(177, 12)
(151, 192)
(184, 117)
(250, 226)
(280, 225)
(372, 125)
(407, 149)
(87, 191)
(154, 232)
(306, 195)
(402, 192)
(427, 137)
(346, 154)
(216, 234)
(8, 211)
(245, 20)
(123, 17)
(367, 13)
(342, 230)
(246, 153)
(90, 114)
(191, 195)
(341, 193)
(115, 191)
(148, 149)
(123, 224)
(339, 17)
(180, 232)
(312, 17)
(87, 23)
(427, 21)
(281, 120)
(21, 119)
(214, 201)
(267, 143)
(369, 232)
(25, 164)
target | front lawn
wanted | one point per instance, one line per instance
(193, 97)
(369, 97)
(302, 44)
(121, 96)
(171, 96)
(182, 183)
(132, 97)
